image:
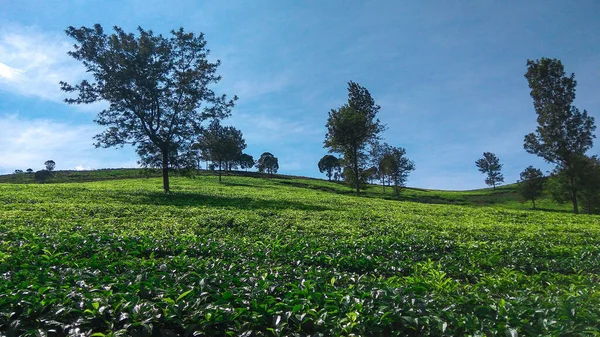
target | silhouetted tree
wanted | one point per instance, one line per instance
(50, 165)
(531, 185)
(29, 170)
(246, 161)
(563, 132)
(328, 164)
(156, 87)
(267, 163)
(490, 165)
(350, 129)
(223, 144)
(17, 171)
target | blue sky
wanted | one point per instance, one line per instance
(448, 76)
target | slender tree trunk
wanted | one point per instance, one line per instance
(574, 195)
(165, 170)
(355, 164)
(219, 171)
(533, 201)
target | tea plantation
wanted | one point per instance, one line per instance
(288, 257)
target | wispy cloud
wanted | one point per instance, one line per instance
(32, 62)
(28, 143)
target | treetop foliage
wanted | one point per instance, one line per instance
(562, 129)
(490, 165)
(157, 87)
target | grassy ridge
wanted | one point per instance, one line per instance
(256, 256)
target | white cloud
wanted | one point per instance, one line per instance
(33, 62)
(28, 143)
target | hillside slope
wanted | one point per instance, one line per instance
(254, 256)
(506, 196)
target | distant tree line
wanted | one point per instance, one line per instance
(160, 102)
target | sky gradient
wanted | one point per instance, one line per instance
(448, 76)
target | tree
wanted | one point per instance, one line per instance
(223, 144)
(351, 127)
(267, 163)
(586, 173)
(531, 185)
(50, 164)
(398, 167)
(29, 170)
(563, 132)
(17, 171)
(490, 165)
(246, 161)
(328, 164)
(157, 87)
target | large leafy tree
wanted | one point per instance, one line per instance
(351, 128)
(531, 185)
(223, 144)
(157, 87)
(490, 165)
(267, 163)
(563, 132)
(329, 164)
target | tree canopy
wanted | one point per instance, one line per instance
(563, 131)
(246, 161)
(490, 165)
(329, 164)
(222, 144)
(352, 127)
(157, 87)
(531, 185)
(50, 165)
(267, 163)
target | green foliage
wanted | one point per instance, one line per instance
(222, 145)
(246, 161)
(287, 257)
(42, 176)
(398, 167)
(585, 175)
(155, 85)
(267, 163)
(563, 131)
(352, 127)
(531, 185)
(490, 165)
(329, 164)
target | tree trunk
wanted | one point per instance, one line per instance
(220, 171)
(165, 170)
(533, 201)
(355, 164)
(574, 195)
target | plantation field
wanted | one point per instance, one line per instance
(280, 257)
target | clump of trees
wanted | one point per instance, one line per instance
(267, 163)
(353, 130)
(564, 133)
(531, 184)
(157, 87)
(223, 145)
(391, 165)
(329, 165)
(490, 165)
